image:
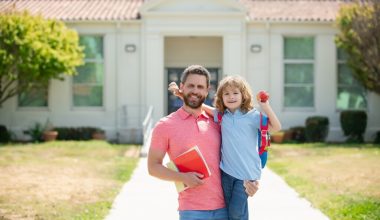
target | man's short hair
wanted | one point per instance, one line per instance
(196, 69)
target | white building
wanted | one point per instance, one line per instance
(135, 47)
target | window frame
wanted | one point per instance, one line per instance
(95, 61)
(37, 108)
(340, 61)
(298, 61)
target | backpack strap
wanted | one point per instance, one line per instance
(265, 139)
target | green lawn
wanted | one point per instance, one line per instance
(62, 180)
(343, 181)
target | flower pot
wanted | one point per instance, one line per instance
(50, 135)
(98, 136)
(277, 137)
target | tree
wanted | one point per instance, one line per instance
(359, 37)
(34, 50)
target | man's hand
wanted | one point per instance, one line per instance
(251, 187)
(192, 179)
(173, 87)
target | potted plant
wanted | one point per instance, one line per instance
(98, 134)
(49, 133)
(277, 137)
(35, 132)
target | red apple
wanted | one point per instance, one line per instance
(264, 96)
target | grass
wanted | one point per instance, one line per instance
(62, 180)
(343, 181)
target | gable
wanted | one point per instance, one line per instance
(192, 6)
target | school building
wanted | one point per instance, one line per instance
(134, 48)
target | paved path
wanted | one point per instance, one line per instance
(145, 197)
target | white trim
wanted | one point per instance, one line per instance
(193, 14)
(288, 22)
(146, 7)
(100, 22)
(149, 5)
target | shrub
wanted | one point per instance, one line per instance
(353, 124)
(377, 138)
(316, 129)
(75, 133)
(298, 134)
(5, 136)
(34, 50)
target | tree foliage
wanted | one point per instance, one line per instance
(34, 50)
(359, 37)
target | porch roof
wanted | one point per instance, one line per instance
(121, 10)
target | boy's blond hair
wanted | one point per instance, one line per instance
(234, 82)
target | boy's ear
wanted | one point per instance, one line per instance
(181, 86)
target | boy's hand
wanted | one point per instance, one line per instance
(251, 187)
(173, 87)
(262, 96)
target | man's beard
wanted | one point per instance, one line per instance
(194, 104)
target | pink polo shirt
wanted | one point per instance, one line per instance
(180, 131)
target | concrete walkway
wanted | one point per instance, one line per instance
(145, 197)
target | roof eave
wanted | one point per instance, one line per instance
(99, 21)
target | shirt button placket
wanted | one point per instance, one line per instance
(197, 123)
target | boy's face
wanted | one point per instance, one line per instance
(232, 98)
(194, 90)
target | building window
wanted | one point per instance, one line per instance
(36, 97)
(351, 94)
(88, 83)
(299, 71)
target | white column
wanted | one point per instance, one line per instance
(233, 55)
(154, 67)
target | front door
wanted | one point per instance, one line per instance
(174, 75)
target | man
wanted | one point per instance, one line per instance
(185, 128)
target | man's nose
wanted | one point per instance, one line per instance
(195, 90)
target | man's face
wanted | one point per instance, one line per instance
(195, 90)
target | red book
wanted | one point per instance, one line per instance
(191, 160)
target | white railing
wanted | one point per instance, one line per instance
(147, 127)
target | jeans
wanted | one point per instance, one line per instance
(235, 197)
(217, 214)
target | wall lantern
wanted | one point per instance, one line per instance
(130, 48)
(255, 48)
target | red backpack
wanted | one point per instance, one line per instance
(263, 136)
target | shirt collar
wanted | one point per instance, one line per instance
(184, 114)
(237, 112)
